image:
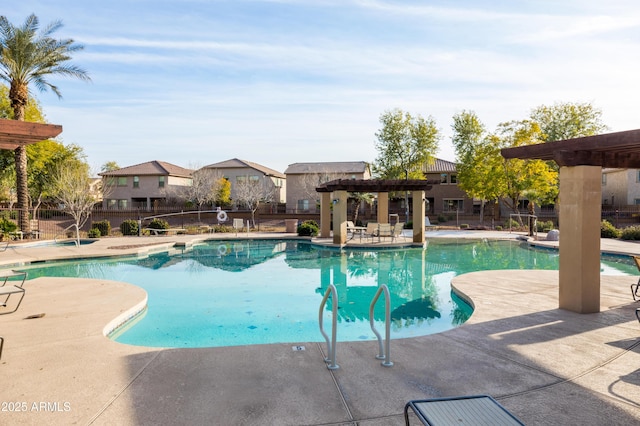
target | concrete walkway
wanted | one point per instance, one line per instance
(547, 366)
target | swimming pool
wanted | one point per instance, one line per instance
(227, 293)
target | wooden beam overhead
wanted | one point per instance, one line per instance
(14, 133)
(611, 150)
(376, 185)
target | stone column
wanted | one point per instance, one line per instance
(580, 208)
(418, 216)
(383, 207)
(339, 217)
(325, 215)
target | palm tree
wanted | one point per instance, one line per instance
(28, 57)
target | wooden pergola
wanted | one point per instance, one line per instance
(581, 161)
(336, 192)
(15, 133)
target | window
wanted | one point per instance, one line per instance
(303, 205)
(637, 175)
(636, 201)
(122, 181)
(453, 205)
(453, 179)
(604, 179)
(122, 204)
(112, 204)
(136, 181)
(443, 178)
(160, 181)
(241, 179)
(277, 182)
(254, 179)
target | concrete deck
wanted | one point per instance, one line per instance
(545, 365)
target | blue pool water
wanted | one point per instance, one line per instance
(229, 293)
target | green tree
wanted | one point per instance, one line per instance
(109, 166)
(404, 144)
(357, 198)
(567, 120)
(29, 57)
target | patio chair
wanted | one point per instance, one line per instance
(384, 230)
(9, 290)
(397, 231)
(635, 288)
(4, 245)
(372, 230)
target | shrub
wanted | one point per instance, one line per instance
(441, 218)
(464, 226)
(542, 226)
(104, 226)
(129, 227)
(498, 228)
(511, 223)
(308, 228)
(408, 225)
(158, 224)
(222, 228)
(631, 233)
(607, 230)
(7, 226)
(94, 233)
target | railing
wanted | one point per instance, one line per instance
(77, 240)
(383, 351)
(331, 345)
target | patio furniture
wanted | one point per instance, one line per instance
(397, 231)
(635, 288)
(353, 230)
(384, 231)
(371, 230)
(8, 291)
(474, 410)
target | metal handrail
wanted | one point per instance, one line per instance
(331, 345)
(77, 240)
(383, 352)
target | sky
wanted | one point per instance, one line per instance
(277, 82)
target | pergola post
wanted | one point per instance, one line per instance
(418, 216)
(325, 214)
(339, 217)
(580, 210)
(383, 207)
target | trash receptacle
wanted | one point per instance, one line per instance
(291, 225)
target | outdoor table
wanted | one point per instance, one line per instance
(357, 230)
(474, 410)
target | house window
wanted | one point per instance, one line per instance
(241, 179)
(636, 201)
(122, 181)
(453, 179)
(254, 179)
(637, 175)
(303, 205)
(122, 204)
(160, 181)
(136, 181)
(112, 204)
(604, 179)
(443, 178)
(453, 205)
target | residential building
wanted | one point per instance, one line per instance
(143, 186)
(304, 178)
(620, 187)
(446, 197)
(238, 171)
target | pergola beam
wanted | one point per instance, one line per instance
(14, 133)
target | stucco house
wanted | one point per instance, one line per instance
(304, 178)
(143, 185)
(446, 197)
(620, 187)
(238, 171)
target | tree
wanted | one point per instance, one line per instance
(251, 193)
(109, 166)
(224, 192)
(357, 198)
(476, 159)
(567, 120)
(27, 56)
(203, 188)
(72, 188)
(404, 144)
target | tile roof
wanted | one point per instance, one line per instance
(236, 163)
(150, 168)
(328, 167)
(440, 166)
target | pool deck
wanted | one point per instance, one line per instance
(545, 365)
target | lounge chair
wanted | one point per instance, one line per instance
(372, 230)
(384, 230)
(9, 290)
(635, 288)
(397, 231)
(427, 223)
(4, 245)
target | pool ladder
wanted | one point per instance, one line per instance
(384, 350)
